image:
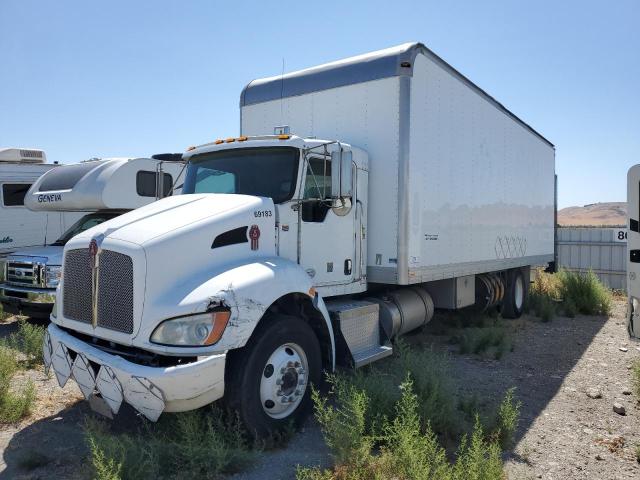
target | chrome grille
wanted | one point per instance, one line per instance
(115, 292)
(22, 273)
(115, 289)
(76, 287)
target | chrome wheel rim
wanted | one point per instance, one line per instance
(519, 292)
(284, 381)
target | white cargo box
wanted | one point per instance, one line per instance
(458, 184)
(112, 183)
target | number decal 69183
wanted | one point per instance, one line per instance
(262, 213)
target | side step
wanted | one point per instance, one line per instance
(359, 324)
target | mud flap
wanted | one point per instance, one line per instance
(110, 388)
(145, 397)
(84, 375)
(61, 362)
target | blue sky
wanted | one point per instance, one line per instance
(84, 79)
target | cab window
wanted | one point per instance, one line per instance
(317, 190)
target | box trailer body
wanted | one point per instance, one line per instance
(96, 191)
(360, 196)
(20, 227)
(457, 184)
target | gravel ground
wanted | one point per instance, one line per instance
(563, 433)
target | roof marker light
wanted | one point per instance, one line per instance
(230, 140)
(219, 141)
(243, 139)
(284, 137)
(190, 148)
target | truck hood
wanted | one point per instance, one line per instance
(167, 216)
(51, 255)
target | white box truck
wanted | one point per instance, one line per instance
(100, 189)
(20, 227)
(405, 187)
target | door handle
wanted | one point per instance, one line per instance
(347, 266)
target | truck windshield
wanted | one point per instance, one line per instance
(263, 172)
(85, 223)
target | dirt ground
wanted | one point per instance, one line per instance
(563, 432)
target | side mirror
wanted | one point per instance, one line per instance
(341, 174)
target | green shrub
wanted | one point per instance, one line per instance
(430, 374)
(28, 340)
(408, 448)
(507, 418)
(195, 444)
(586, 292)
(542, 306)
(569, 308)
(13, 405)
(493, 340)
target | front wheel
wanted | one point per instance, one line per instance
(269, 380)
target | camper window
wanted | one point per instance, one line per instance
(13, 194)
(146, 184)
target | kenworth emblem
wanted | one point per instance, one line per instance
(95, 265)
(93, 252)
(254, 235)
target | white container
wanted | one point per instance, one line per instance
(458, 184)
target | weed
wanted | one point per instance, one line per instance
(430, 375)
(13, 405)
(195, 444)
(543, 306)
(569, 308)
(586, 291)
(3, 315)
(638, 453)
(507, 418)
(469, 406)
(28, 340)
(481, 340)
(344, 426)
(408, 449)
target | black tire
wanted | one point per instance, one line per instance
(515, 296)
(247, 365)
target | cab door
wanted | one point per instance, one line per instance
(327, 235)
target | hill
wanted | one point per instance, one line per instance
(606, 213)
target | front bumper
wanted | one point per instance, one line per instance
(150, 390)
(36, 302)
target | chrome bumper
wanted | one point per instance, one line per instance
(150, 390)
(33, 295)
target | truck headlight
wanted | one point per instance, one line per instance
(52, 275)
(192, 331)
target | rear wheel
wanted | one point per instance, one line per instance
(515, 294)
(269, 380)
